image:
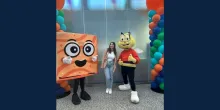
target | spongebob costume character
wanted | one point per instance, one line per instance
(76, 59)
(128, 60)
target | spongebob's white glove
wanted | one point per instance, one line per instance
(67, 60)
(94, 58)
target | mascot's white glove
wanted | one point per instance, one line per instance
(94, 58)
(67, 60)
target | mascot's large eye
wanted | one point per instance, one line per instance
(88, 49)
(122, 39)
(72, 49)
(127, 38)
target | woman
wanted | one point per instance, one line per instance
(109, 64)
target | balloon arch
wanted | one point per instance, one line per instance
(62, 88)
(156, 25)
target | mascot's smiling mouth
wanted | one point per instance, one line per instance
(80, 63)
(125, 44)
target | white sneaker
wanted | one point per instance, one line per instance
(134, 97)
(107, 90)
(124, 87)
(110, 91)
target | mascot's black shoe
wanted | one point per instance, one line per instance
(85, 96)
(75, 99)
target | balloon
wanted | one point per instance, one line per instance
(60, 31)
(161, 23)
(60, 19)
(151, 44)
(153, 49)
(151, 54)
(157, 43)
(57, 27)
(161, 61)
(162, 30)
(154, 73)
(157, 55)
(151, 13)
(152, 25)
(150, 32)
(162, 17)
(158, 80)
(61, 13)
(156, 30)
(163, 56)
(152, 66)
(154, 4)
(154, 85)
(158, 67)
(59, 4)
(156, 18)
(161, 36)
(57, 12)
(162, 86)
(150, 20)
(63, 27)
(161, 74)
(154, 61)
(161, 49)
(160, 10)
(152, 78)
(162, 43)
(153, 37)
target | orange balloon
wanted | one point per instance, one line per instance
(154, 73)
(154, 4)
(60, 4)
(152, 77)
(161, 61)
(158, 67)
(150, 32)
(60, 31)
(57, 26)
(156, 18)
(160, 10)
(152, 25)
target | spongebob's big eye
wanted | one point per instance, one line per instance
(72, 49)
(88, 49)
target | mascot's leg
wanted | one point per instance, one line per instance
(134, 93)
(84, 95)
(75, 98)
(124, 73)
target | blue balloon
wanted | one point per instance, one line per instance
(161, 49)
(157, 55)
(162, 80)
(161, 73)
(57, 12)
(158, 80)
(151, 44)
(156, 30)
(63, 27)
(153, 37)
(154, 85)
(153, 61)
(152, 66)
(151, 13)
(161, 23)
(162, 16)
(150, 20)
(60, 20)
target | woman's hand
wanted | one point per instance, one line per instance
(102, 66)
(114, 68)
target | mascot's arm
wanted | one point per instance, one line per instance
(135, 56)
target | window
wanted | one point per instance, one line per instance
(74, 5)
(106, 4)
(138, 4)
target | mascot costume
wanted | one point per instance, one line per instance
(76, 59)
(128, 60)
